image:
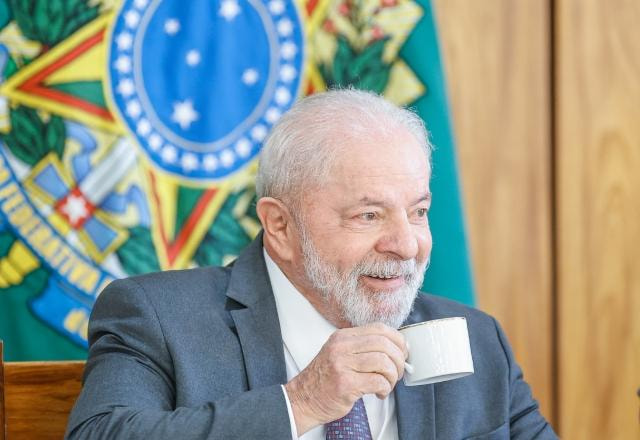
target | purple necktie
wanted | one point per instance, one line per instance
(353, 426)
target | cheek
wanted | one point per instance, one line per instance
(346, 255)
(425, 243)
(349, 256)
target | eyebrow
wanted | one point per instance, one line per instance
(373, 202)
(425, 198)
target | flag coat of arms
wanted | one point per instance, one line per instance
(129, 133)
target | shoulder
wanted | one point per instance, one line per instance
(175, 288)
(157, 306)
(436, 307)
(203, 277)
(483, 328)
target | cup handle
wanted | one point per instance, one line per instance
(408, 368)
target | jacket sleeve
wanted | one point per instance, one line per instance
(129, 386)
(525, 419)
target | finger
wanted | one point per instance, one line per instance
(378, 328)
(372, 338)
(381, 329)
(376, 362)
(380, 344)
(373, 383)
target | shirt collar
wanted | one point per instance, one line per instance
(304, 330)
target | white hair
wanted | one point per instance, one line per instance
(303, 144)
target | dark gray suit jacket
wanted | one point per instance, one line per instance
(198, 354)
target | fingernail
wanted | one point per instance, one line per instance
(408, 368)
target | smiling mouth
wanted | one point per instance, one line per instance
(384, 281)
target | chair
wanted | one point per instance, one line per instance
(36, 397)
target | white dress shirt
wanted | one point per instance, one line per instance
(304, 332)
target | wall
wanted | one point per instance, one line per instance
(598, 226)
(546, 106)
(496, 54)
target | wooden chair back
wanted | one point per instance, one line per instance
(36, 397)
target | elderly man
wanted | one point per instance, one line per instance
(298, 337)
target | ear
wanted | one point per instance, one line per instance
(279, 231)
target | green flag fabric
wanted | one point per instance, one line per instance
(450, 272)
(129, 132)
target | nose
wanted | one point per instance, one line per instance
(400, 239)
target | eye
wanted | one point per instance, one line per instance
(368, 216)
(422, 212)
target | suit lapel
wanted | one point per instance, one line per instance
(416, 405)
(257, 323)
(261, 345)
(415, 408)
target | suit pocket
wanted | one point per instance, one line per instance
(497, 434)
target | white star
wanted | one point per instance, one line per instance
(288, 73)
(272, 115)
(285, 27)
(243, 147)
(193, 58)
(123, 64)
(227, 158)
(210, 162)
(155, 141)
(288, 50)
(172, 26)
(276, 7)
(189, 162)
(229, 9)
(75, 208)
(259, 132)
(134, 108)
(169, 154)
(250, 76)
(143, 128)
(124, 40)
(141, 4)
(184, 114)
(131, 18)
(282, 96)
(126, 87)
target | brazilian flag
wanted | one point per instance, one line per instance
(129, 131)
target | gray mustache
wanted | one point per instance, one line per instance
(387, 268)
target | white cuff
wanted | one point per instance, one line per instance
(292, 421)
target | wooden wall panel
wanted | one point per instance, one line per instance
(497, 56)
(598, 166)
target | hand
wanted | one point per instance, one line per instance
(353, 362)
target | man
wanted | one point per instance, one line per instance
(298, 337)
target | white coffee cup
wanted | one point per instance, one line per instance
(439, 350)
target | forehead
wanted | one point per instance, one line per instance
(388, 154)
(392, 167)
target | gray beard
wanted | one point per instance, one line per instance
(358, 305)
